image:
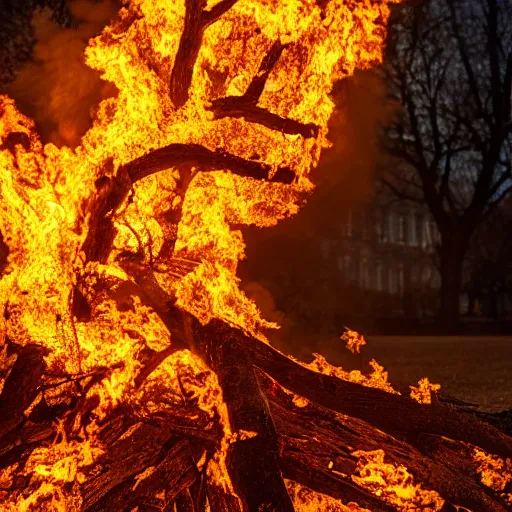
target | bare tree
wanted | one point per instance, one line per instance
(450, 68)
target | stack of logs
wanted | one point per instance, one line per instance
(310, 444)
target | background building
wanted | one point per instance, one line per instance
(384, 253)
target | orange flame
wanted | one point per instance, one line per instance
(423, 393)
(393, 483)
(49, 195)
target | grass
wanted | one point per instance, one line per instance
(473, 369)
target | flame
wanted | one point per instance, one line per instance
(185, 215)
(354, 340)
(306, 500)
(423, 393)
(494, 471)
(377, 379)
(393, 483)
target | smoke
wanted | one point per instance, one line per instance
(287, 259)
(348, 170)
(56, 88)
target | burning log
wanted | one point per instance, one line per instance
(134, 373)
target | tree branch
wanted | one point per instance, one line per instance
(196, 155)
(196, 21)
(245, 106)
(234, 106)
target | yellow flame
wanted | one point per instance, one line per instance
(494, 471)
(377, 379)
(354, 340)
(423, 393)
(48, 194)
(306, 500)
(393, 483)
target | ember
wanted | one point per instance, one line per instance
(136, 375)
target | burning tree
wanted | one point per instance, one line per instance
(135, 373)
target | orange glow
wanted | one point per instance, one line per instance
(377, 379)
(393, 483)
(307, 500)
(494, 472)
(423, 393)
(50, 196)
(354, 340)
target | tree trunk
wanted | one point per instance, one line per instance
(452, 253)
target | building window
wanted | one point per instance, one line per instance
(392, 281)
(365, 274)
(426, 275)
(402, 229)
(411, 229)
(364, 221)
(419, 229)
(400, 280)
(348, 269)
(380, 277)
(391, 227)
(430, 234)
(378, 226)
(347, 225)
(434, 233)
(383, 227)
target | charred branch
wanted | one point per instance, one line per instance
(197, 19)
(198, 156)
(138, 449)
(253, 460)
(112, 192)
(21, 386)
(245, 107)
(394, 414)
(306, 459)
(236, 107)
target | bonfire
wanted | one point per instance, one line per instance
(135, 373)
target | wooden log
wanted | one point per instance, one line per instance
(193, 498)
(316, 446)
(221, 501)
(159, 489)
(111, 192)
(207, 160)
(131, 454)
(21, 386)
(246, 107)
(237, 108)
(395, 414)
(252, 462)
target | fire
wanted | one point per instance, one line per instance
(494, 472)
(307, 500)
(377, 379)
(423, 393)
(354, 340)
(394, 483)
(149, 204)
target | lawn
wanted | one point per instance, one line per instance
(474, 369)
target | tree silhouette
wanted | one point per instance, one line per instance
(450, 69)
